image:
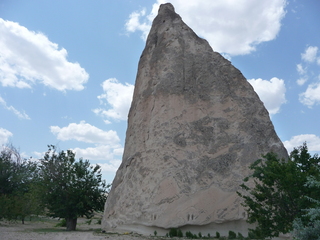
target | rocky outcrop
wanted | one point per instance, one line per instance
(194, 127)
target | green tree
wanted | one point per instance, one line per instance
(17, 181)
(70, 188)
(278, 193)
(309, 230)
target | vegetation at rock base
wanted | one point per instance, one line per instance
(57, 185)
(280, 193)
(232, 235)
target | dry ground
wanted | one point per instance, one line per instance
(44, 229)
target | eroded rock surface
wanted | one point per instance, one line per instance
(194, 127)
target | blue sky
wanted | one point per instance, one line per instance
(67, 68)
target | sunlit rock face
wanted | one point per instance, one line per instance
(194, 127)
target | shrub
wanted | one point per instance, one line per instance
(232, 235)
(173, 232)
(189, 234)
(155, 233)
(217, 235)
(62, 223)
(240, 236)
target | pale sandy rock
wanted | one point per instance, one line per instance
(194, 127)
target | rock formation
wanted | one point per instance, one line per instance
(194, 127)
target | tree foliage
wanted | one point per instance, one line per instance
(71, 188)
(18, 178)
(278, 193)
(309, 230)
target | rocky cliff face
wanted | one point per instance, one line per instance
(194, 127)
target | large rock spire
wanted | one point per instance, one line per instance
(194, 127)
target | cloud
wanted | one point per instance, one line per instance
(27, 57)
(310, 54)
(100, 152)
(108, 158)
(4, 136)
(301, 81)
(118, 96)
(311, 96)
(271, 93)
(21, 115)
(232, 28)
(106, 149)
(313, 142)
(108, 170)
(301, 70)
(133, 24)
(84, 132)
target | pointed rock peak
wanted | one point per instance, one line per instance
(165, 7)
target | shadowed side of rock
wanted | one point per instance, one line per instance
(194, 127)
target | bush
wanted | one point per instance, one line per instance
(232, 235)
(62, 223)
(240, 236)
(179, 233)
(155, 233)
(173, 232)
(217, 235)
(189, 234)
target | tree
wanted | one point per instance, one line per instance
(17, 181)
(309, 230)
(70, 188)
(277, 195)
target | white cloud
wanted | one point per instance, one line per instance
(27, 57)
(310, 54)
(311, 96)
(84, 132)
(231, 27)
(133, 24)
(271, 93)
(302, 81)
(99, 152)
(108, 170)
(301, 70)
(22, 115)
(118, 96)
(107, 150)
(108, 158)
(4, 136)
(313, 142)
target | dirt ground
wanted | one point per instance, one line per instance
(44, 229)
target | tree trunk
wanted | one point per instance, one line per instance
(71, 224)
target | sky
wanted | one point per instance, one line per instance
(68, 68)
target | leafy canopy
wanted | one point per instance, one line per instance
(274, 194)
(307, 230)
(17, 183)
(71, 188)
